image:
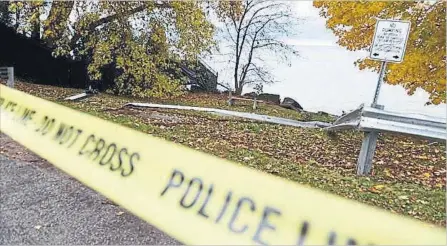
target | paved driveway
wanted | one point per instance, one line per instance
(41, 205)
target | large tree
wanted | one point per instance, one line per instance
(424, 64)
(139, 39)
(256, 29)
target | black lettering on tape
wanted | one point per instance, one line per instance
(10, 105)
(331, 239)
(241, 201)
(27, 115)
(120, 158)
(89, 138)
(265, 224)
(75, 138)
(202, 209)
(112, 148)
(26, 112)
(2, 100)
(191, 183)
(60, 131)
(131, 164)
(98, 148)
(111, 153)
(176, 173)
(351, 242)
(224, 208)
(67, 135)
(303, 233)
(49, 124)
(16, 112)
(44, 121)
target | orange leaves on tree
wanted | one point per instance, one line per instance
(424, 64)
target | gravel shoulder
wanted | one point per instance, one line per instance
(41, 205)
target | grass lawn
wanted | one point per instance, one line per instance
(409, 176)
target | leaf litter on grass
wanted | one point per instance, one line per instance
(408, 174)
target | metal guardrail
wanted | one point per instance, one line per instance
(87, 93)
(77, 97)
(372, 121)
(251, 116)
(8, 74)
(369, 119)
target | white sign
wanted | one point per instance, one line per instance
(390, 40)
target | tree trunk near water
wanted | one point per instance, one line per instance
(238, 91)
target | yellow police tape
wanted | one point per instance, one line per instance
(195, 197)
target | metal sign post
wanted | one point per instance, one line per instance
(389, 43)
(379, 84)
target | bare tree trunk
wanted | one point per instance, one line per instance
(107, 19)
(238, 90)
(35, 31)
(236, 66)
(257, 30)
(236, 82)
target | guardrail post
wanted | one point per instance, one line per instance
(255, 104)
(364, 162)
(10, 82)
(230, 98)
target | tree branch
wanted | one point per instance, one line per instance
(92, 26)
(258, 27)
(224, 86)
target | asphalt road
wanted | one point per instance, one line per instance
(41, 205)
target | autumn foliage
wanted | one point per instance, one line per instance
(139, 41)
(424, 64)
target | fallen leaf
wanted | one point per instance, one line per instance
(292, 146)
(388, 173)
(422, 201)
(377, 188)
(374, 190)
(248, 158)
(38, 227)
